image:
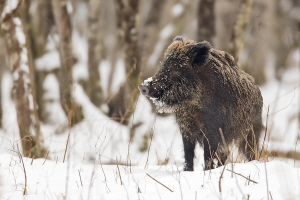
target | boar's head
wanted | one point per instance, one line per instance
(176, 81)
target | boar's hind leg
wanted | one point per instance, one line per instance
(249, 145)
(189, 153)
(210, 151)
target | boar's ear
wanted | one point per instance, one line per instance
(199, 53)
(178, 38)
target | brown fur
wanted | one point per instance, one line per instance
(208, 93)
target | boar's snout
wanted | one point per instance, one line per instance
(144, 90)
(149, 91)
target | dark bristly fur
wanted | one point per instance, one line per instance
(207, 92)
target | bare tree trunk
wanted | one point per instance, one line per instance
(239, 31)
(132, 55)
(41, 23)
(257, 42)
(206, 21)
(3, 68)
(128, 92)
(40, 26)
(3, 61)
(226, 12)
(116, 101)
(23, 90)
(174, 26)
(94, 89)
(148, 33)
(62, 19)
(285, 33)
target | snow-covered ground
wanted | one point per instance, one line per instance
(44, 179)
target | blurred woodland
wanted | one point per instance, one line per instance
(130, 37)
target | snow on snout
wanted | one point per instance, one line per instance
(147, 81)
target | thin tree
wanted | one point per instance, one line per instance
(122, 104)
(38, 28)
(3, 68)
(63, 24)
(132, 55)
(23, 90)
(94, 89)
(206, 21)
(148, 36)
(239, 30)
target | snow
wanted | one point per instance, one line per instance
(283, 102)
(165, 33)
(177, 10)
(48, 62)
(147, 81)
(56, 180)
(9, 7)
(19, 32)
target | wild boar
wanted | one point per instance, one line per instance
(214, 102)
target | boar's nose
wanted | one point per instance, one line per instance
(144, 90)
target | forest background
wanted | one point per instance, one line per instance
(50, 48)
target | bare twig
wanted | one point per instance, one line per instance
(266, 130)
(131, 133)
(220, 179)
(151, 137)
(46, 156)
(66, 147)
(159, 182)
(105, 180)
(224, 142)
(80, 177)
(32, 160)
(120, 174)
(24, 170)
(102, 168)
(267, 180)
(242, 176)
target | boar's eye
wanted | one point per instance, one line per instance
(199, 52)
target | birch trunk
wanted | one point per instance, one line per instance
(23, 89)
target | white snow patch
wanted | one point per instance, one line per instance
(105, 69)
(147, 81)
(19, 32)
(9, 7)
(51, 87)
(9, 135)
(159, 47)
(167, 31)
(72, 180)
(80, 47)
(80, 71)
(177, 10)
(48, 62)
(283, 102)
(53, 107)
(119, 75)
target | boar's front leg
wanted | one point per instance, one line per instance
(189, 153)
